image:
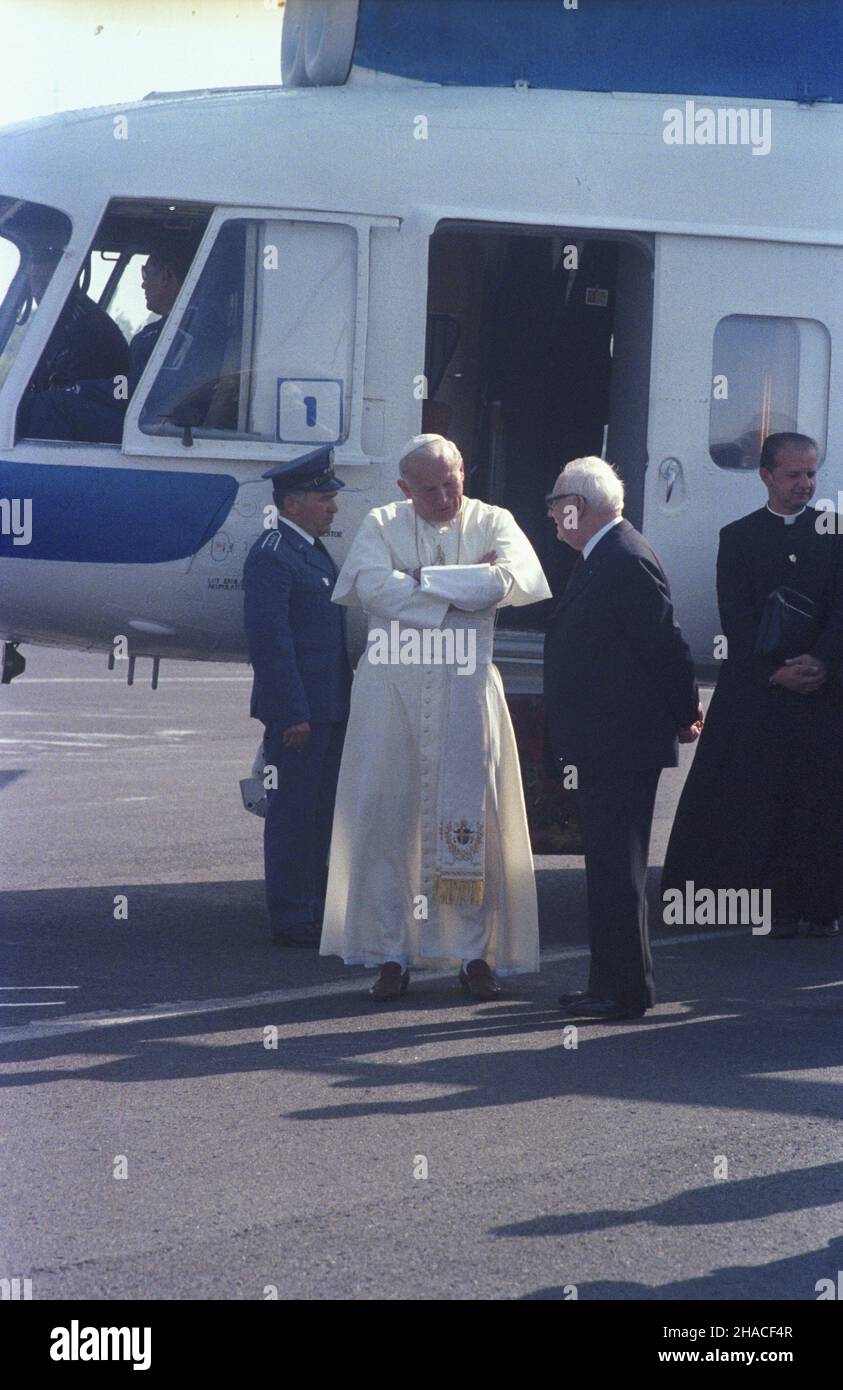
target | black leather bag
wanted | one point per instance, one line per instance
(790, 625)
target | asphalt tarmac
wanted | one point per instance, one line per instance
(161, 1141)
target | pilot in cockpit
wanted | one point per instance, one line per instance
(163, 276)
(75, 392)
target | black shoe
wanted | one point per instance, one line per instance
(822, 929)
(391, 983)
(575, 997)
(477, 980)
(604, 1010)
(308, 935)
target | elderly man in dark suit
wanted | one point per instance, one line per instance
(301, 689)
(619, 690)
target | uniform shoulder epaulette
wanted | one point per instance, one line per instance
(271, 540)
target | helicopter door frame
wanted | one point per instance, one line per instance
(69, 266)
(348, 451)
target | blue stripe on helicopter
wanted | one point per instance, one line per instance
(788, 49)
(109, 516)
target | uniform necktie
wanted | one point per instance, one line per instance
(323, 550)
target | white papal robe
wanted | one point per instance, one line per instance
(381, 901)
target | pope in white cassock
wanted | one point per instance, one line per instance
(430, 855)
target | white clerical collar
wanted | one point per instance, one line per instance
(788, 520)
(598, 535)
(287, 522)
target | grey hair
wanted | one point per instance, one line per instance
(596, 482)
(435, 443)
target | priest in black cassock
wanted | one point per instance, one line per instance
(762, 807)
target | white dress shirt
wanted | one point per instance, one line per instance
(287, 522)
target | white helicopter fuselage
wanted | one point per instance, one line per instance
(413, 185)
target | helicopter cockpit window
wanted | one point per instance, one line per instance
(263, 349)
(107, 328)
(32, 240)
(117, 280)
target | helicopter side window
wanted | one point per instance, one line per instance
(769, 374)
(196, 385)
(32, 241)
(80, 387)
(108, 326)
(85, 346)
(263, 349)
(10, 273)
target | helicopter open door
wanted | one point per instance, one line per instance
(538, 352)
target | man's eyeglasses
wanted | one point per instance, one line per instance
(553, 497)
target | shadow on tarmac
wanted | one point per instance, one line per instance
(737, 1199)
(187, 941)
(794, 1278)
(199, 941)
(735, 1013)
(740, 1020)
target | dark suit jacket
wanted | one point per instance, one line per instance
(763, 745)
(296, 635)
(618, 674)
(758, 554)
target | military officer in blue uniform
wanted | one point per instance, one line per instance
(302, 679)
